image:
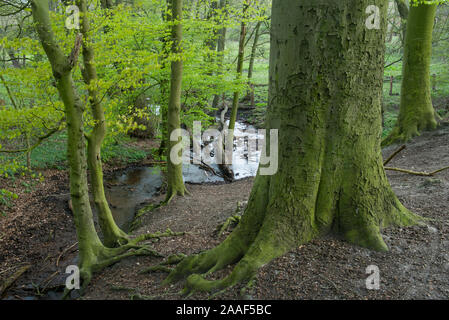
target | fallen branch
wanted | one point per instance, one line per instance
(394, 154)
(423, 174)
(64, 252)
(9, 281)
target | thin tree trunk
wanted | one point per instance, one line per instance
(235, 102)
(112, 234)
(240, 60)
(221, 45)
(403, 13)
(174, 171)
(88, 242)
(252, 62)
(164, 86)
(93, 255)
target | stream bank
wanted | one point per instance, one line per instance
(40, 231)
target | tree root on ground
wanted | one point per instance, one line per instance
(151, 207)
(162, 267)
(232, 221)
(108, 256)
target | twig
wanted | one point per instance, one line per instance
(9, 281)
(423, 174)
(394, 154)
(64, 252)
(390, 64)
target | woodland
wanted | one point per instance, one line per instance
(224, 149)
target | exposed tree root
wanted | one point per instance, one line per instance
(162, 267)
(394, 154)
(233, 220)
(151, 207)
(407, 129)
(104, 257)
(64, 252)
(275, 234)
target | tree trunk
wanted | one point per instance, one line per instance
(240, 60)
(252, 60)
(325, 99)
(221, 45)
(174, 171)
(112, 234)
(403, 13)
(93, 255)
(164, 84)
(416, 112)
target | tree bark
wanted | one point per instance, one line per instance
(252, 60)
(240, 60)
(93, 255)
(416, 112)
(326, 78)
(174, 171)
(112, 234)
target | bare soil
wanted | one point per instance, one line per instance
(39, 230)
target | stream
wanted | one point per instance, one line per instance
(128, 188)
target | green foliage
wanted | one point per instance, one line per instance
(7, 198)
(390, 118)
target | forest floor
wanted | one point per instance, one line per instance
(39, 231)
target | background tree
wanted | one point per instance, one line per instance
(174, 171)
(416, 112)
(93, 255)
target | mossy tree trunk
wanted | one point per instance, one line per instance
(326, 76)
(174, 171)
(112, 234)
(403, 13)
(93, 255)
(164, 82)
(416, 112)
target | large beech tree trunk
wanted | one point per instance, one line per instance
(326, 71)
(416, 112)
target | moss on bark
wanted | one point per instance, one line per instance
(416, 112)
(93, 255)
(326, 71)
(174, 171)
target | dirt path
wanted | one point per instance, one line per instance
(416, 267)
